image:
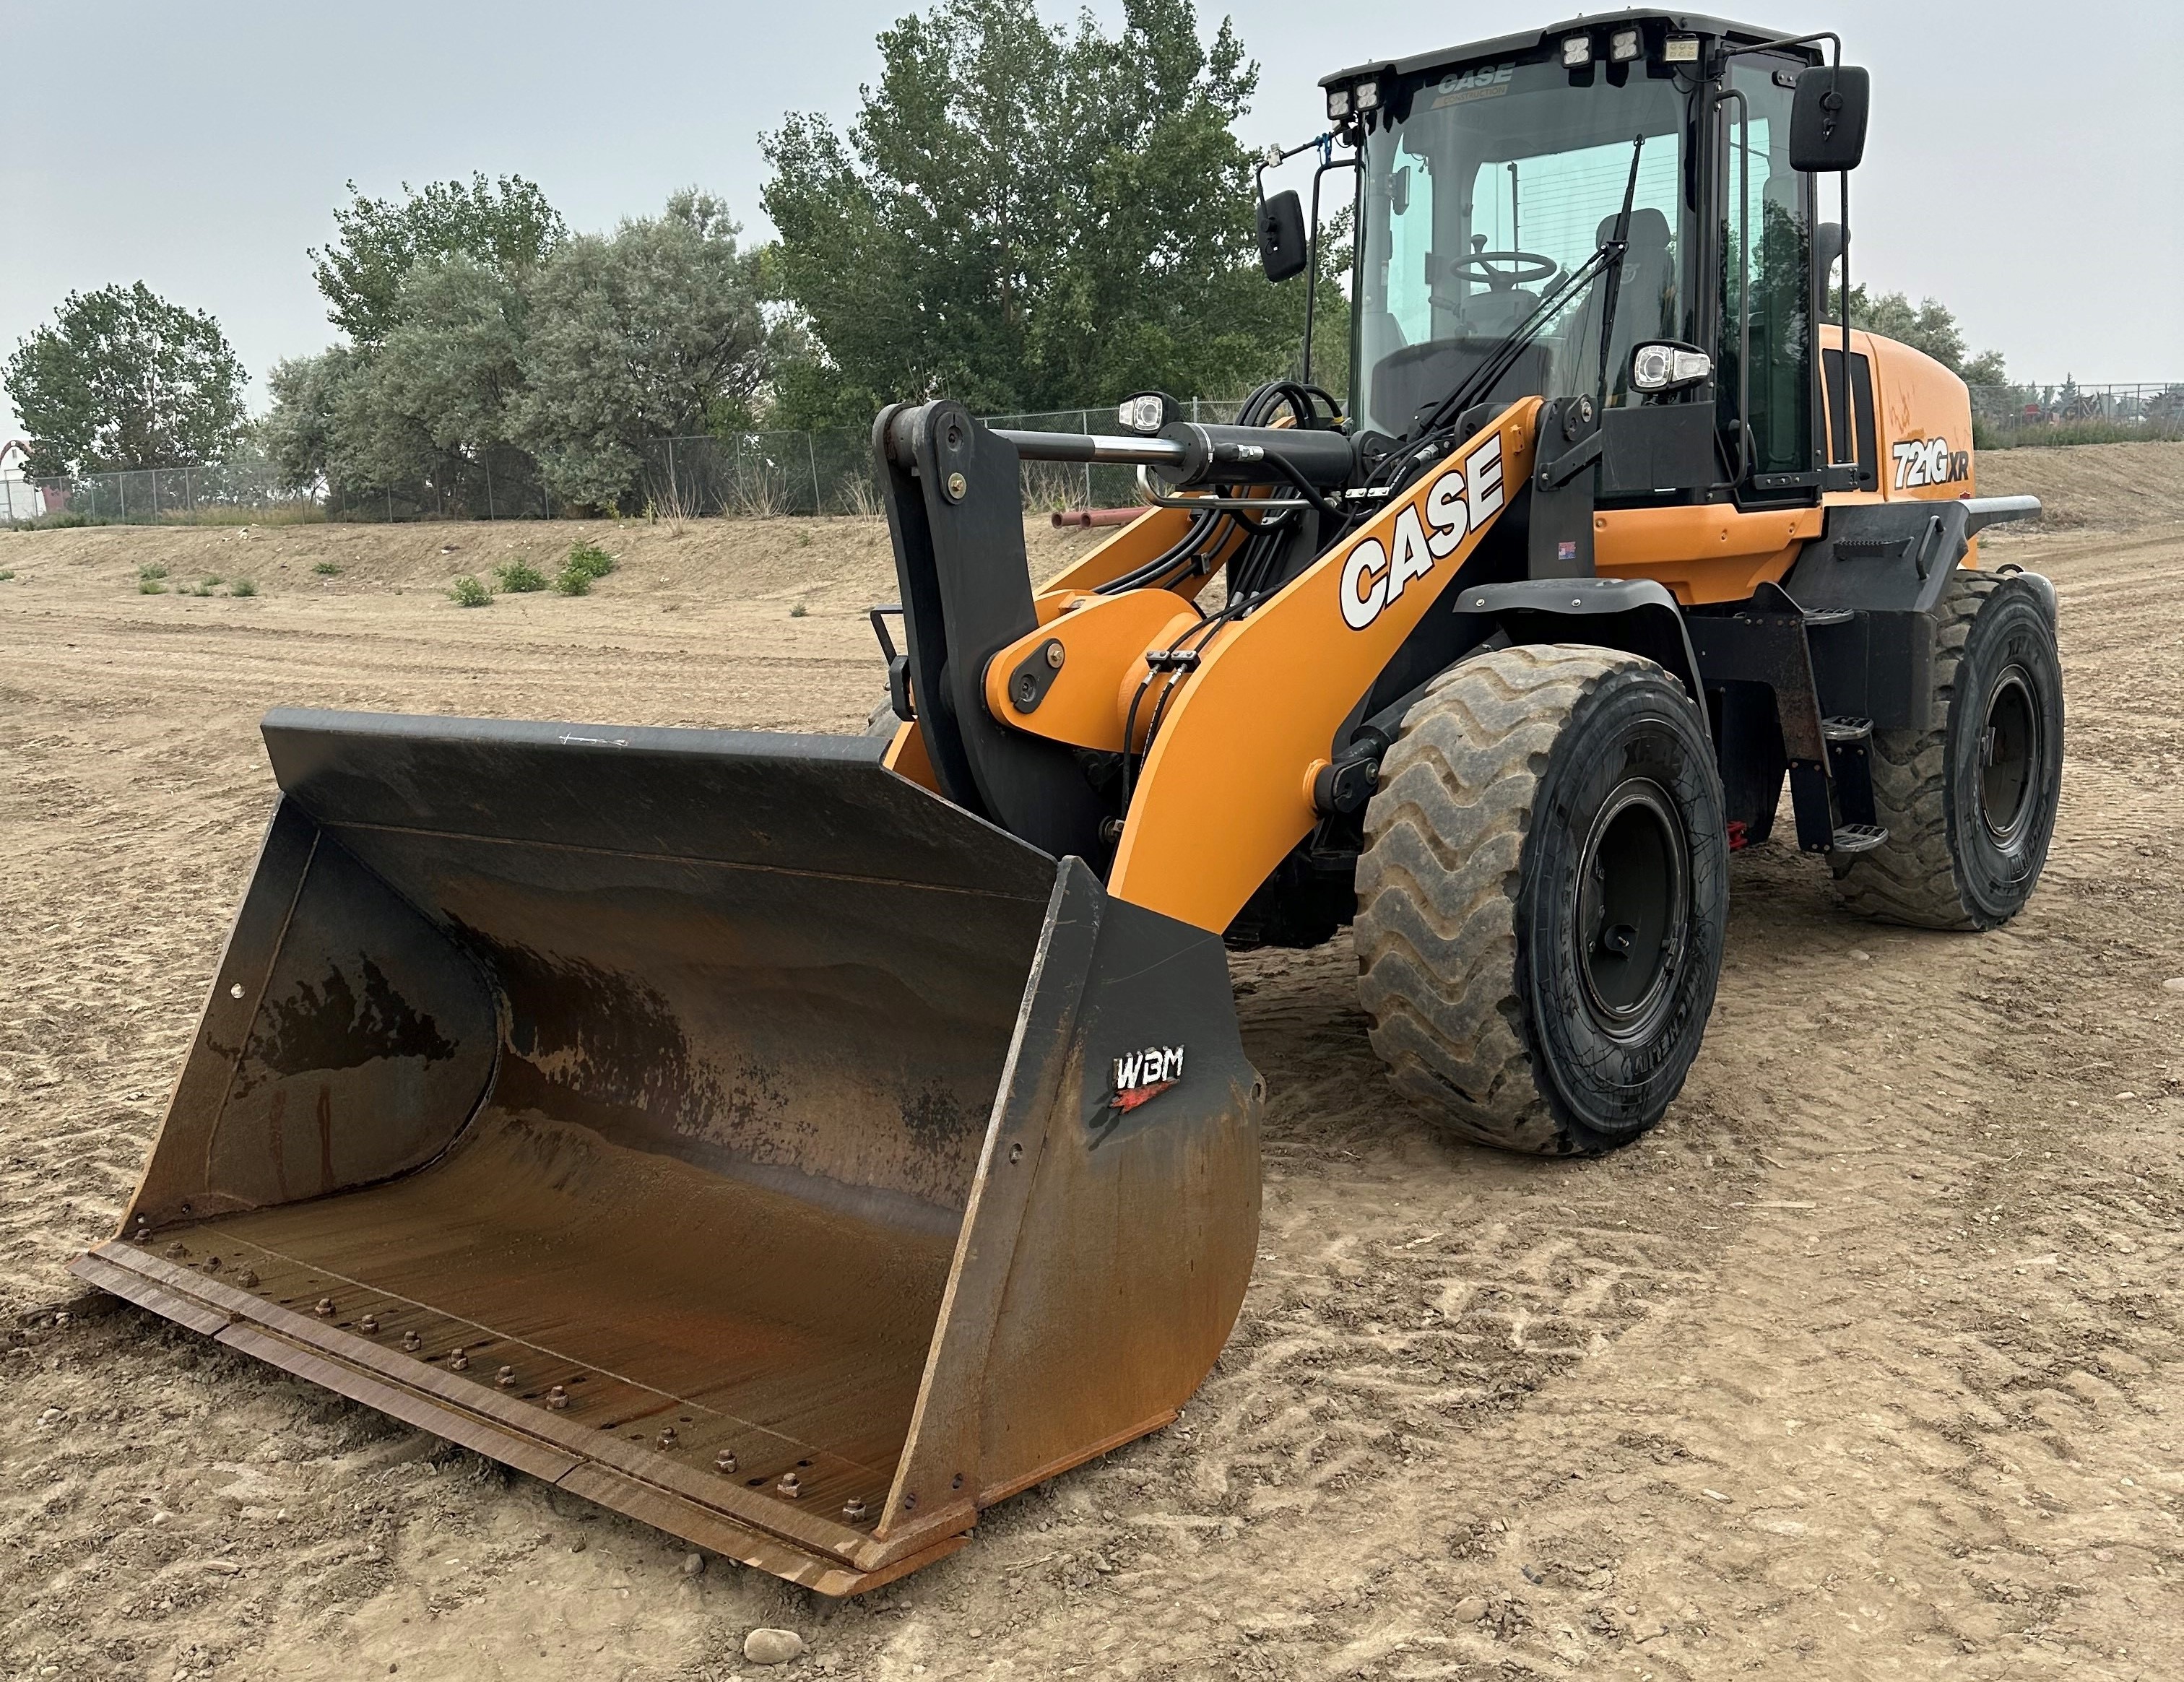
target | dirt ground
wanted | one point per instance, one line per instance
(1864, 1364)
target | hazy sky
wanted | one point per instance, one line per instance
(2026, 163)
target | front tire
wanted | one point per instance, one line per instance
(1968, 800)
(1542, 898)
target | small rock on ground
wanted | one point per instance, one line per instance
(1470, 1609)
(772, 1646)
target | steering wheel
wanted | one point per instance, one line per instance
(1518, 268)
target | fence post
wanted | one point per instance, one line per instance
(1084, 425)
(811, 454)
(674, 490)
(390, 504)
(489, 512)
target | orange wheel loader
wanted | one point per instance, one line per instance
(801, 1143)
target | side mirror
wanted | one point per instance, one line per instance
(1828, 242)
(1827, 119)
(1281, 235)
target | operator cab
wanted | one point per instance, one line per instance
(1488, 177)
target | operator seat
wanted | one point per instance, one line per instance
(1645, 305)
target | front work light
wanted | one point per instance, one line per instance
(1338, 104)
(1681, 49)
(1577, 52)
(1368, 95)
(1665, 367)
(1145, 413)
(1624, 46)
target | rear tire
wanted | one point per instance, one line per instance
(1542, 897)
(1969, 800)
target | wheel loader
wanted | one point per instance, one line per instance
(802, 1142)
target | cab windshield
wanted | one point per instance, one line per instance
(1497, 183)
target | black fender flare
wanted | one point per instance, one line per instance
(1636, 615)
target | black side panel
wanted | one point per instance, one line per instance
(1886, 557)
(1665, 447)
(955, 510)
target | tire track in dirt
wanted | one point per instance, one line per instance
(1875, 1280)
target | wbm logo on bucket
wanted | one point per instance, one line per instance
(1459, 502)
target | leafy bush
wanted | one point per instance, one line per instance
(588, 557)
(327, 568)
(151, 580)
(244, 587)
(573, 581)
(6, 573)
(150, 570)
(519, 577)
(469, 591)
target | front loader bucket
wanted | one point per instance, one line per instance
(716, 1125)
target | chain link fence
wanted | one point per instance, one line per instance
(756, 473)
(2004, 415)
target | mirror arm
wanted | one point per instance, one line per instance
(1722, 55)
(1327, 161)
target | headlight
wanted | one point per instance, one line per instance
(1577, 52)
(1625, 45)
(1681, 49)
(1145, 414)
(1664, 367)
(1368, 95)
(1338, 104)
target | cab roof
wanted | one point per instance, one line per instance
(1526, 41)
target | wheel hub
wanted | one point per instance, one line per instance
(1634, 904)
(2009, 756)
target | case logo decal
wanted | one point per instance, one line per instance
(1459, 502)
(1929, 461)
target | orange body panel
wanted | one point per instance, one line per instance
(907, 758)
(1709, 552)
(1272, 689)
(1105, 636)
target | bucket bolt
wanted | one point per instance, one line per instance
(325, 1308)
(176, 1252)
(505, 1378)
(854, 1510)
(143, 1233)
(368, 1325)
(724, 1461)
(667, 1436)
(412, 1342)
(248, 1278)
(212, 1264)
(460, 1361)
(557, 1397)
(790, 1486)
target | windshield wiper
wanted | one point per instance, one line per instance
(1608, 260)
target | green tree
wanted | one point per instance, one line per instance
(436, 393)
(1025, 217)
(505, 225)
(122, 378)
(648, 334)
(298, 430)
(1928, 326)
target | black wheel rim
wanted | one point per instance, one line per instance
(2009, 756)
(1633, 909)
